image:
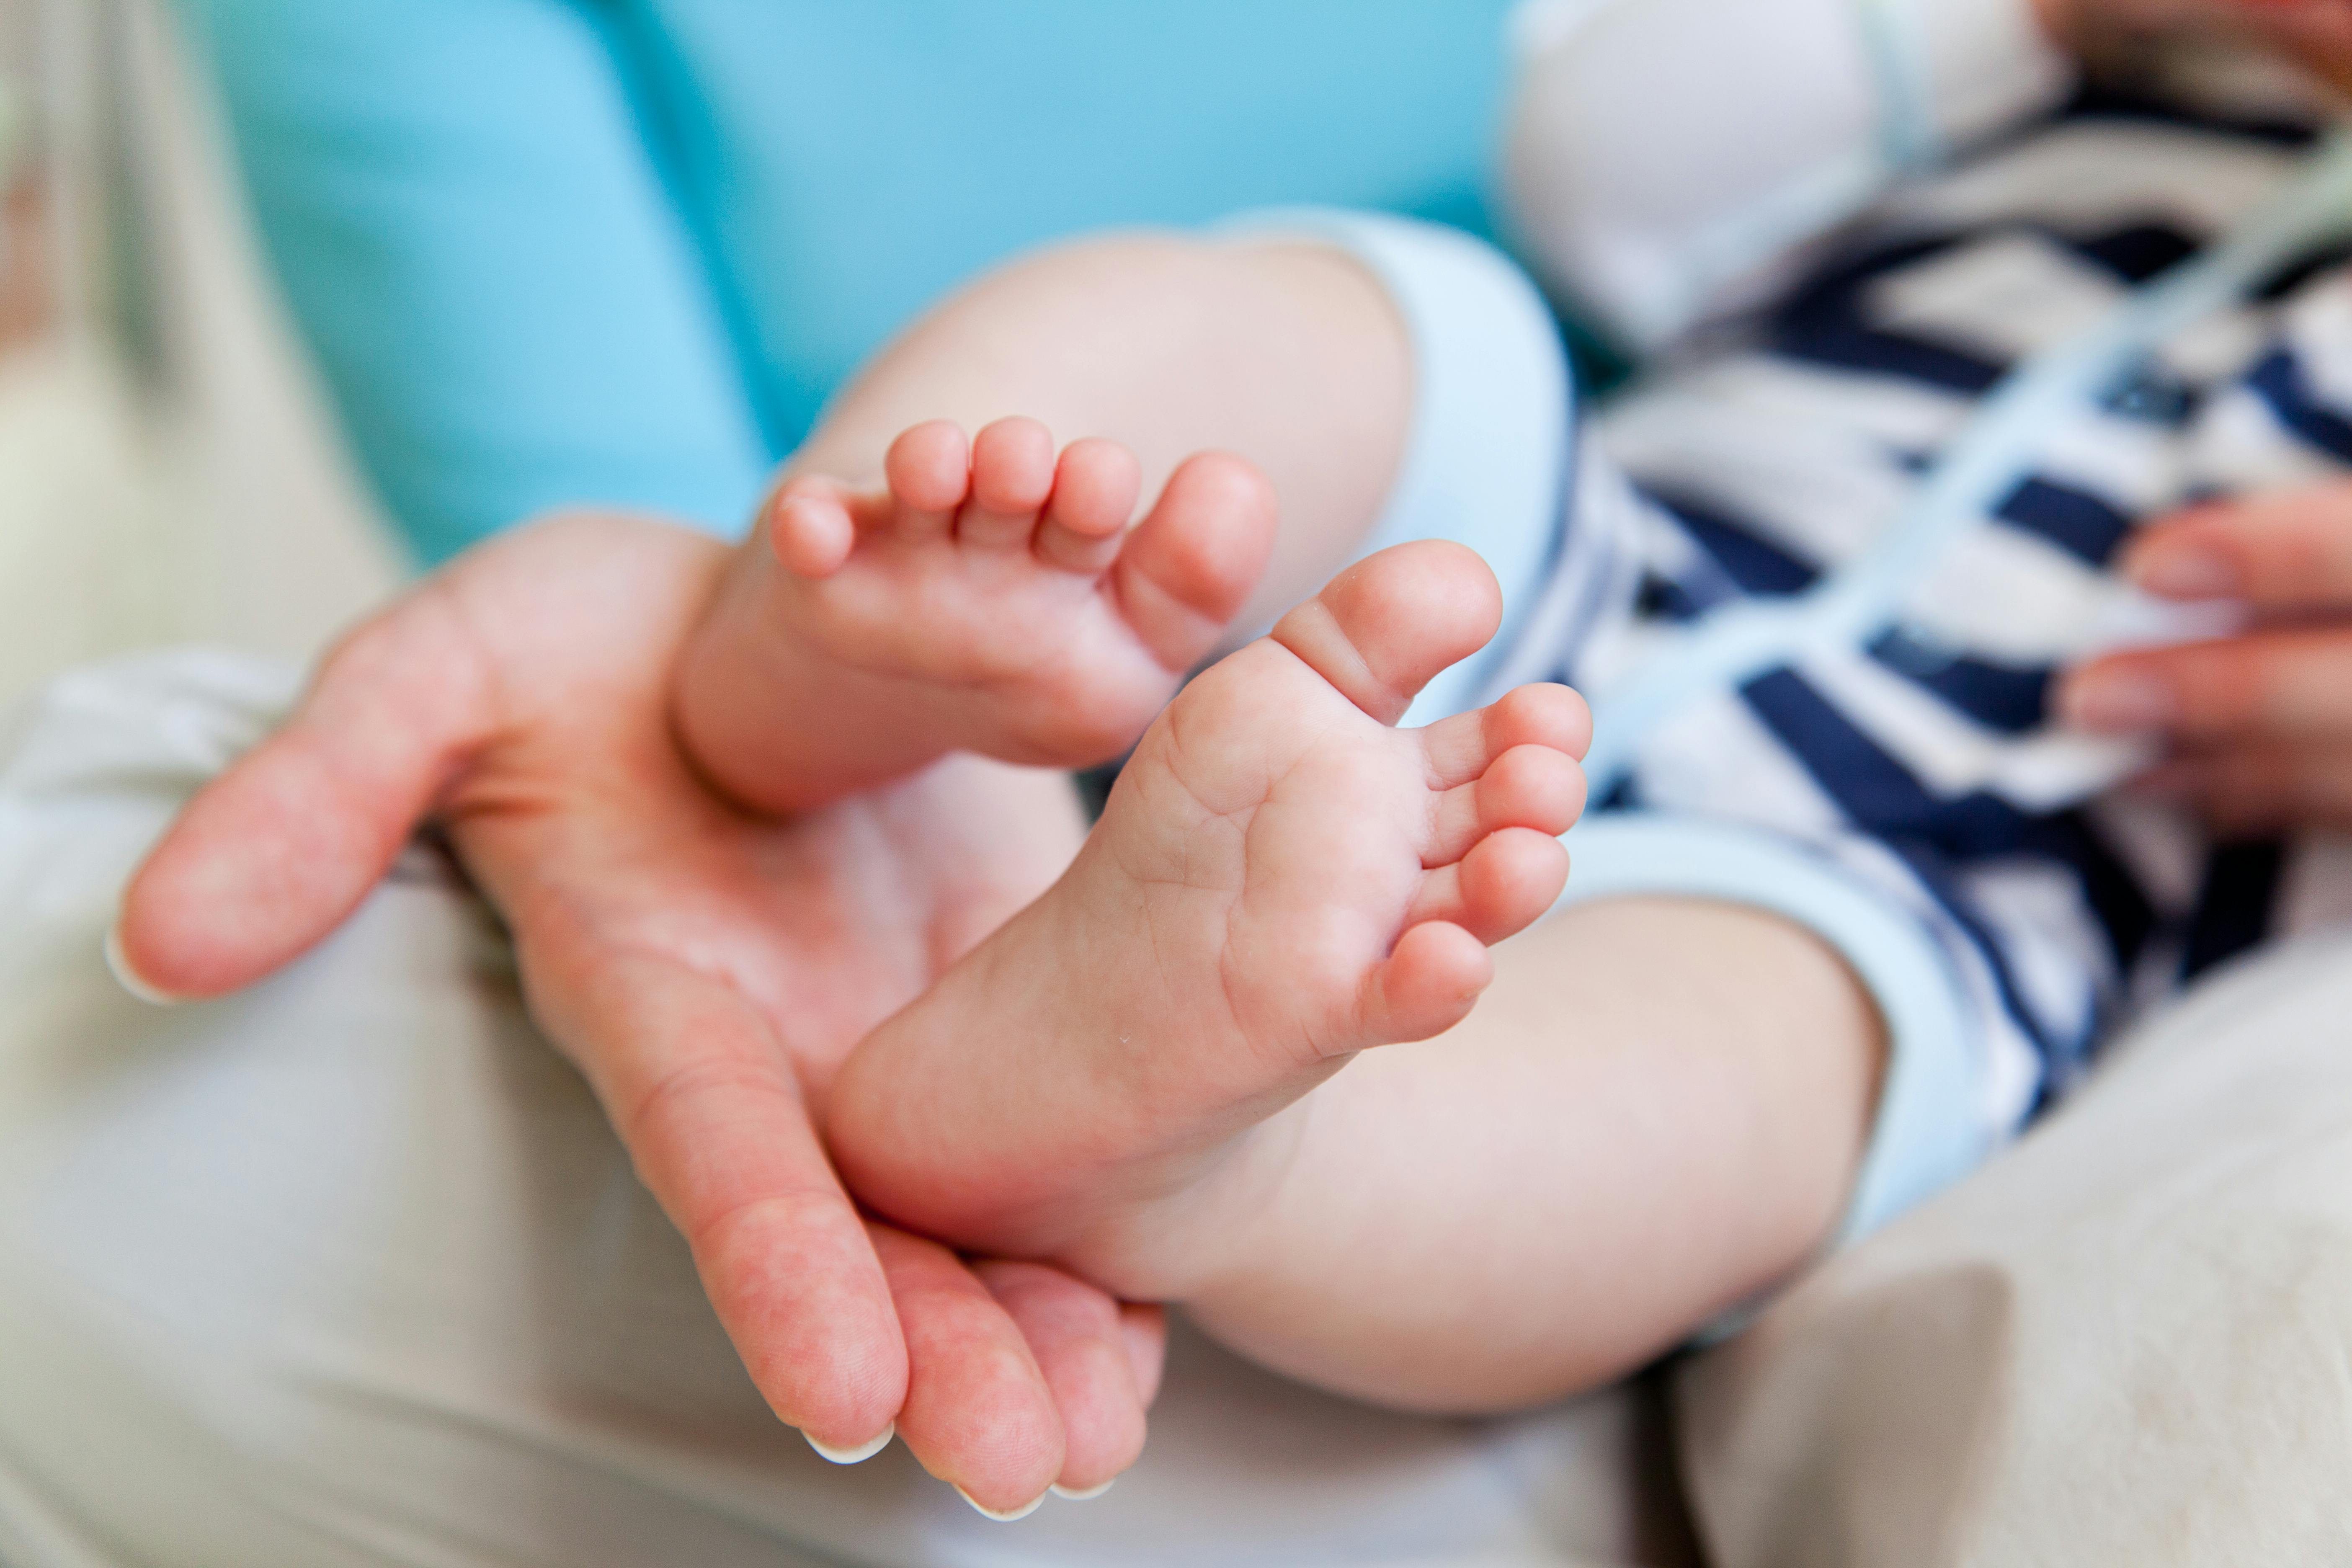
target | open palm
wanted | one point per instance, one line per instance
(707, 970)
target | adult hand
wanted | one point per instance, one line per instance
(706, 970)
(2317, 34)
(2261, 724)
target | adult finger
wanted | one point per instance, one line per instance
(1078, 1335)
(2280, 685)
(706, 1102)
(1143, 1328)
(2289, 550)
(2259, 789)
(274, 854)
(979, 1413)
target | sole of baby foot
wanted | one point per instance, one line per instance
(1281, 880)
(990, 598)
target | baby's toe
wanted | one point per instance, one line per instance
(1532, 787)
(1095, 492)
(1190, 563)
(1012, 475)
(1505, 884)
(810, 528)
(1383, 628)
(929, 469)
(1427, 985)
(1509, 879)
(1461, 747)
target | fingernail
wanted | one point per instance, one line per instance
(2117, 702)
(2188, 572)
(1024, 1511)
(118, 963)
(860, 1453)
(1087, 1496)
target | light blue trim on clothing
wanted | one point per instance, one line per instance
(1930, 1129)
(1490, 456)
(1744, 641)
(1490, 463)
(1907, 134)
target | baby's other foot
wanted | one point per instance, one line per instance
(988, 598)
(1280, 880)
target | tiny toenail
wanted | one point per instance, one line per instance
(1087, 1496)
(860, 1453)
(1024, 1511)
(118, 963)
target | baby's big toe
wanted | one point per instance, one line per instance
(1383, 628)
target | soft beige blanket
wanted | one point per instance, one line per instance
(2128, 1341)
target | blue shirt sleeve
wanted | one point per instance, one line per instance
(485, 258)
(622, 251)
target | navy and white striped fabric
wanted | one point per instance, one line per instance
(1777, 448)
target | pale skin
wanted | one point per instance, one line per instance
(2318, 33)
(706, 967)
(706, 970)
(510, 698)
(1233, 1176)
(1050, 636)
(988, 1112)
(2259, 726)
(709, 968)
(1151, 1076)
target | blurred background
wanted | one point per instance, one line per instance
(167, 471)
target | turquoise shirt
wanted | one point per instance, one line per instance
(556, 251)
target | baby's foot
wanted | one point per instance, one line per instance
(1280, 880)
(991, 600)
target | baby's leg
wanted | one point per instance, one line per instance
(989, 600)
(1290, 356)
(1656, 1113)
(1663, 1116)
(906, 596)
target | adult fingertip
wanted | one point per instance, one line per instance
(1003, 1516)
(822, 1343)
(856, 1454)
(126, 974)
(1085, 1494)
(1143, 1331)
